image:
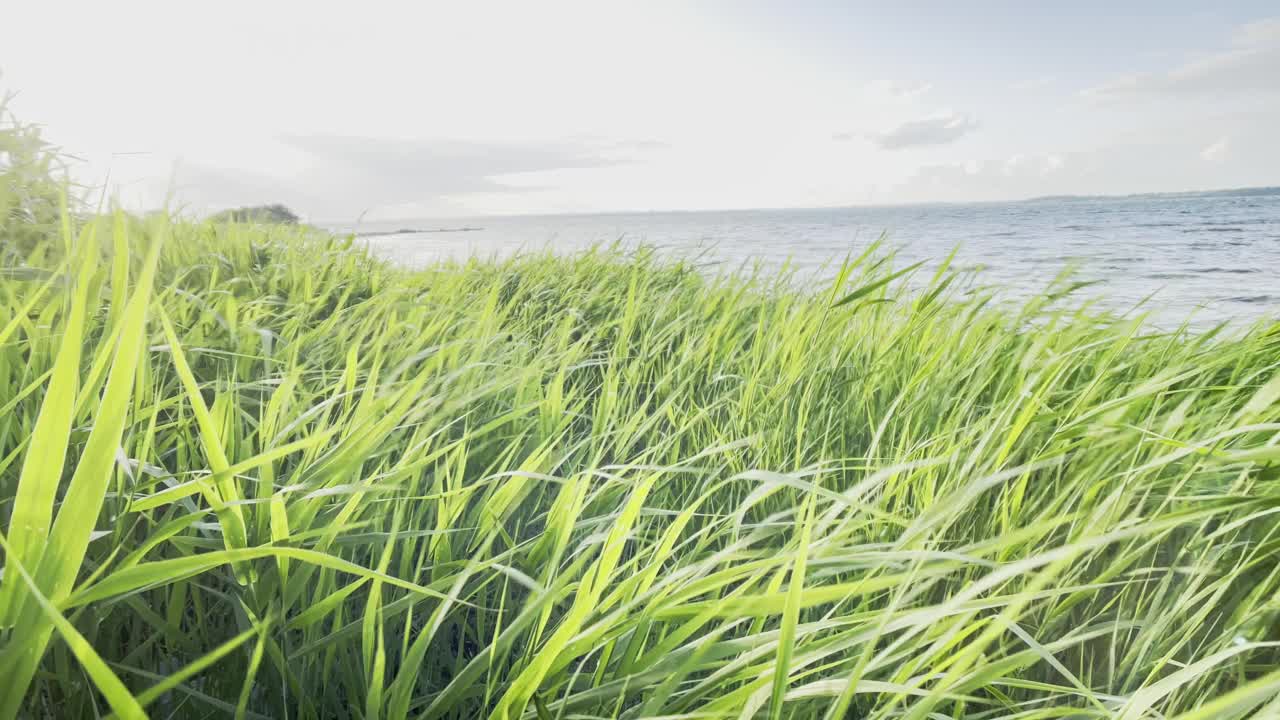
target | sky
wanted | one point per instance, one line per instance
(388, 110)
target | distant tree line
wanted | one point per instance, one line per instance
(276, 214)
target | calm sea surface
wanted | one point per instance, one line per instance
(1206, 257)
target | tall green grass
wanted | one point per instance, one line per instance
(252, 472)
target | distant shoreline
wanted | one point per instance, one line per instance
(412, 231)
(1240, 192)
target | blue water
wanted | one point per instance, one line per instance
(1198, 257)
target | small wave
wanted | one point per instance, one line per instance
(1230, 271)
(1005, 233)
(1078, 227)
(1218, 244)
(1252, 299)
(1208, 228)
(1166, 276)
(1158, 224)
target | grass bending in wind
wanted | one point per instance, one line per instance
(253, 472)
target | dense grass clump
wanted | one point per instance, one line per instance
(251, 471)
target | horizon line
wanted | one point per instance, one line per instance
(1248, 189)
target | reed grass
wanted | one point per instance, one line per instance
(251, 471)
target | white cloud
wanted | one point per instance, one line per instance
(1024, 165)
(1149, 160)
(349, 175)
(936, 130)
(1217, 151)
(1020, 175)
(1250, 64)
(910, 91)
(1038, 82)
(898, 91)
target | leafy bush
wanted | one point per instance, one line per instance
(33, 187)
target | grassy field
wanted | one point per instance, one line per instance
(251, 471)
